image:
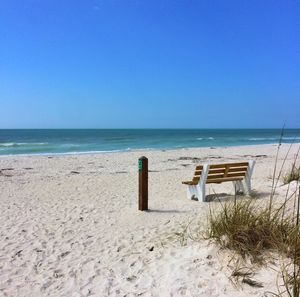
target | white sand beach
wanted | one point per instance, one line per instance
(69, 225)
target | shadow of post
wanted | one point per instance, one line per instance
(167, 211)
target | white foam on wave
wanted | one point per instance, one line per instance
(70, 153)
(16, 144)
(291, 138)
(272, 138)
(70, 145)
(201, 138)
(261, 138)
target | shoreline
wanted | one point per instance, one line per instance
(143, 150)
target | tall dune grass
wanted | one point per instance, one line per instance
(250, 230)
(292, 175)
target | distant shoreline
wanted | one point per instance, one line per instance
(145, 151)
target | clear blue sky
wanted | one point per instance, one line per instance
(149, 63)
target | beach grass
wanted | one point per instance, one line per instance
(292, 175)
(250, 230)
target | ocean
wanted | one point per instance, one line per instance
(71, 141)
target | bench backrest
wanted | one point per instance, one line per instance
(219, 173)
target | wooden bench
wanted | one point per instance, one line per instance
(238, 173)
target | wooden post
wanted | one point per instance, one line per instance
(143, 183)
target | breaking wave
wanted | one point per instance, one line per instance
(18, 144)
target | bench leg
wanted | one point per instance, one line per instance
(191, 192)
(247, 184)
(201, 185)
(196, 192)
(242, 188)
(238, 187)
(247, 179)
(201, 192)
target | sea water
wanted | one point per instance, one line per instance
(61, 141)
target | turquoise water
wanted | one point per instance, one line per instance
(53, 141)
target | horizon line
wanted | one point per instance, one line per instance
(227, 128)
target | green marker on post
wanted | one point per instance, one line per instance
(140, 164)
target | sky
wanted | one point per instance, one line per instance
(149, 64)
